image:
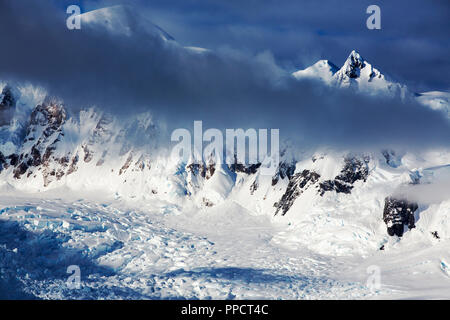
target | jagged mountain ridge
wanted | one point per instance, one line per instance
(93, 150)
(361, 76)
(356, 73)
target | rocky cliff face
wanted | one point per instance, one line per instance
(397, 214)
(297, 184)
(54, 145)
(7, 99)
(354, 169)
(43, 133)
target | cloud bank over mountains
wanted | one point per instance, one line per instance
(131, 72)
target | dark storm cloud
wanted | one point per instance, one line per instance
(413, 44)
(225, 88)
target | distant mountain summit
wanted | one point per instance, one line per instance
(126, 20)
(122, 19)
(355, 67)
(356, 73)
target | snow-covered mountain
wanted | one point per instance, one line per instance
(122, 19)
(94, 150)
(126, 20)
(323, 203)
(322, 69)
(356, 73)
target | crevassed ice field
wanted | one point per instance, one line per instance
(149, 250)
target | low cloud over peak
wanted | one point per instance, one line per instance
(126, 73)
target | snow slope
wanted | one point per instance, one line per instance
(122, 19)
(322, 69)
(151, 254)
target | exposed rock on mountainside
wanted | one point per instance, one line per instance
(354, 169)
(43, 132)
(397, 214)
(239, 167)
(7, 99)
(202, 170)
(284, 170)
(297, 184)
(352, 67)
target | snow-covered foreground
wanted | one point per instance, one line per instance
(154, 250)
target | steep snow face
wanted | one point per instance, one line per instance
(16, 105)
(122, 19)
(322, 69)
(125, 20)
(356, 73)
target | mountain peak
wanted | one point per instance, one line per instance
(355, 54)
(123, 19)
(353, 65)
(356, 73)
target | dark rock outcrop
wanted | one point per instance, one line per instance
(397, 213)
(248, 169)
(196, 169)
(200, 169)
(297, 184)
(354, 64)
(7, 99)
(284, 170)
(253, 187)
(126, 165)
(3, 162)
(50, 114)
(13, 159)
(354, 169)
(435, 235)
(44, 130)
